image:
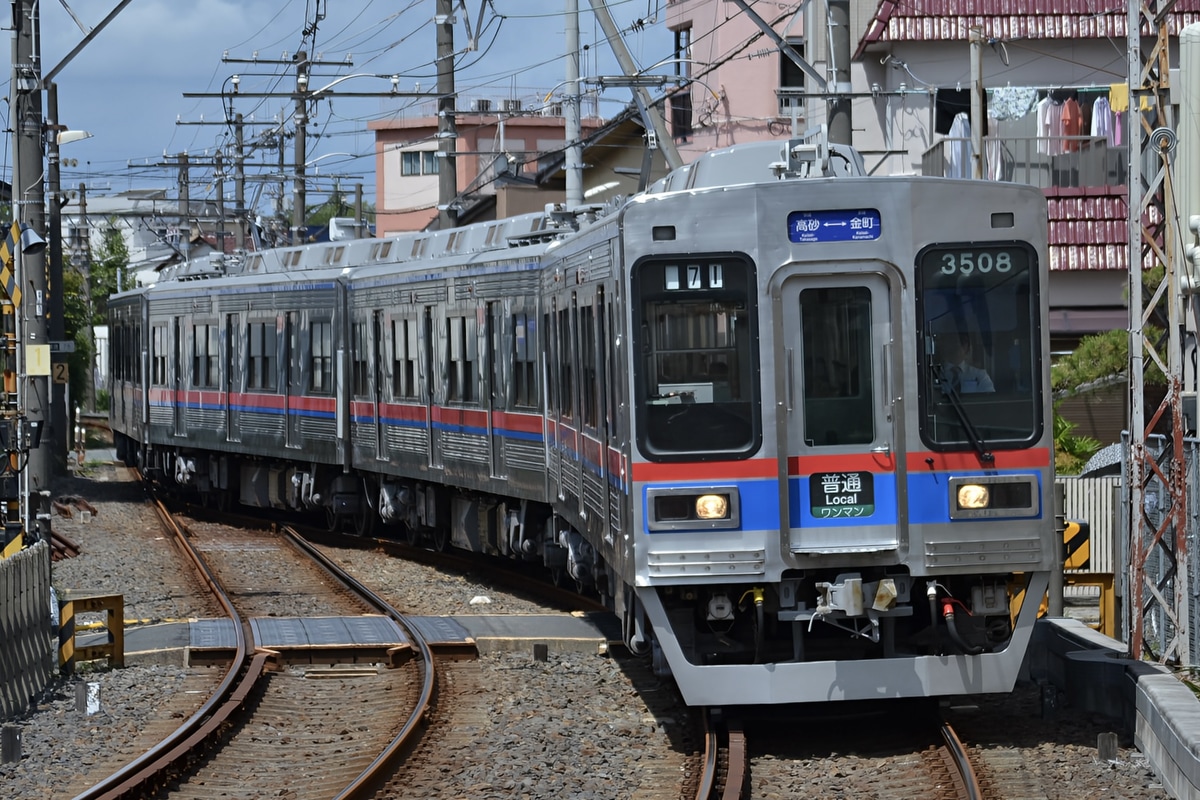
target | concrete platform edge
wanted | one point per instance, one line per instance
(1094, 673)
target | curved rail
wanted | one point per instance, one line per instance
(723, 748)
(962, 763)
(367, 780)
(133, 779)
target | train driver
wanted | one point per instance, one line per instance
(954, 349)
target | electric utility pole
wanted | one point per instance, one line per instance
(33, 346)
(447, 134)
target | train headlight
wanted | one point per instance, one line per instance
(712, 506)
(688, 508)
(973, 495)
(995, 496)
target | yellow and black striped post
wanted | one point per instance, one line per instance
(1077, 545)
(113, 648)
(8, 270)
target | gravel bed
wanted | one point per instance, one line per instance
(568, 711)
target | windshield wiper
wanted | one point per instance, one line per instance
(950, 392)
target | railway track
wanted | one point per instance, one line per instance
(886, 756)
(287, 729)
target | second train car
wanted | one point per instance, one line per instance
(790, 421)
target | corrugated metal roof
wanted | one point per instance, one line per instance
(950, 20)
(1088, 228)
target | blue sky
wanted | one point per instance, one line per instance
(126, 86)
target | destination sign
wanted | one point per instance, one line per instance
(841, 494)
(834, 226)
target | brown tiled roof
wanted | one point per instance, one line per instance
(950, 20)
(1089, 228)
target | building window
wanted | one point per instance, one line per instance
(791, 80)
(681, 101)
(419, 162)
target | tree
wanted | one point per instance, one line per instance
(87, 287)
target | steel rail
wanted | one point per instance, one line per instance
(962, 763)
(708, 772)
(135, 778)
(368, 780)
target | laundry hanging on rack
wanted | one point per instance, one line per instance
(960, 150)
(1011, 102)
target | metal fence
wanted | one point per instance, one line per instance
(27, 650)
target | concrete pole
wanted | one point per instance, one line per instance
(29, 201)
(299, 194)
(664, 139)
(573, 110)
(447, 132)
(58, 437)
(976, 37)
(840, 121)
(239, 183)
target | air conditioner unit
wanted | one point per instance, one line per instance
(552, 110)
(512, 105)
(481, 105)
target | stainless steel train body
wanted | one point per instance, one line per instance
(728, 405)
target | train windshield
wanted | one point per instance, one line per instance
(980, 346)
(696, 355)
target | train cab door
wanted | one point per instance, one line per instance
(838, 357)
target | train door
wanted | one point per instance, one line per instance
(496, 392)
(839, 363)
(293, 374)
(377, 376)
(177, 379)
(429, 385)
(229, 372)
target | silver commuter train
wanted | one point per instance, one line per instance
(791, 422)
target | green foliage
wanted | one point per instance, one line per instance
(1102, 355)
(1071, 452)
(337, 205)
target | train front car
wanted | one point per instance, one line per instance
(841, 460)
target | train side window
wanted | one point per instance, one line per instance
(404, 358)
(566, 380)
(525, 361)
(205, 350)
(321, 347)
(460, 332)
(260, 366)
(836, 352)
(359, 357)
(159, 348)
(588, 377)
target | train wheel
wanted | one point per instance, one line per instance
(333, 523)
(441, 538)
(558, 576)
(412, 534)
(366, 521)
